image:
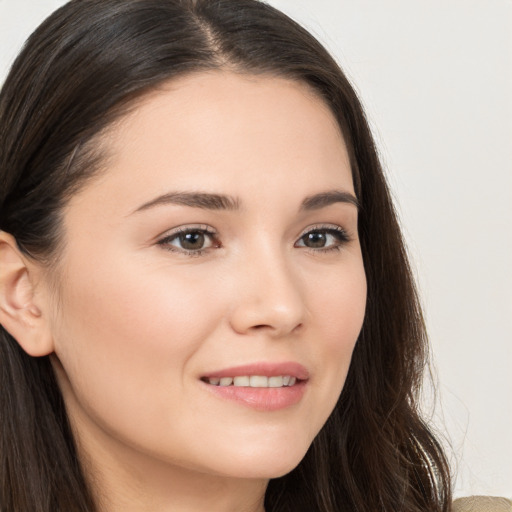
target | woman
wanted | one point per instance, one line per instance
(205, 298)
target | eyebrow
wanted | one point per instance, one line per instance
(323, 199)
(209, 201)
(194, 200)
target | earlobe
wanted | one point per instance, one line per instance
(20, 314)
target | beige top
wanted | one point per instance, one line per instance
(482, 504)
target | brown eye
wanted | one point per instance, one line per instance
(192, 241)
(323, 239)
(189, 241)
(315, 240)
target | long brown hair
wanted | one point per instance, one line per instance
(79, 71)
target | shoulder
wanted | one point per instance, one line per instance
(482, 504)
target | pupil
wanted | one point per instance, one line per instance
(315, 240)
(192, 240)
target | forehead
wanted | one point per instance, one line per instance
(221, 130)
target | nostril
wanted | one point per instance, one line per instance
(275, 329)
(270, 314)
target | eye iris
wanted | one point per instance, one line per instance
(315, 239)
(193, 240)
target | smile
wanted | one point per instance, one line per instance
(253, 381)
(263, 386)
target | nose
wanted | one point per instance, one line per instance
(268, 298)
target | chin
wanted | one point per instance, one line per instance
(265, 463)
(266, 471)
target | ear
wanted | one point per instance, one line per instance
(21, 314)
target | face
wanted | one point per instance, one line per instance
(217, 252)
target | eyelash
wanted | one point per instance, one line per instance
(337, 232)
(341, 236)
(204, 230)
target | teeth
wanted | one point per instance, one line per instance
(241, 381)
(254, 381)
(258, 381)
(275, 382)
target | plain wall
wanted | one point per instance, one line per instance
(436, 79)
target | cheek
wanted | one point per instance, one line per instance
(338, 315)
(338, 308)
(121, 306)
(126, 333)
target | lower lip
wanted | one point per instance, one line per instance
(261, 399)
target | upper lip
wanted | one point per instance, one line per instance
(265, 368)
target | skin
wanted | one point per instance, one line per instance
(135, 323)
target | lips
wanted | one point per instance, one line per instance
(262, 386)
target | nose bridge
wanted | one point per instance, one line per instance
(269, 292)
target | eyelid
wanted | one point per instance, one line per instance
(343, 237)
(325, 227)
(169, 235)
(186, 228)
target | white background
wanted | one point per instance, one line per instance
(436, 79)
